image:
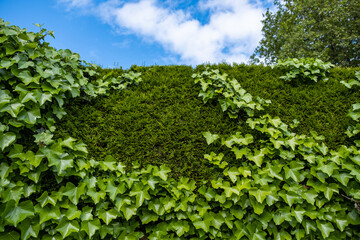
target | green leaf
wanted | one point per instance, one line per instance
(210, 138)
(29, 230)
(7, 139)
(90, 227)
(13, 109)
(108, 216)
(294, 174)
(281, 215)
(298, 213)
(342, 223)
(44, 199)
(257, 157)
(309, 226)
(240, 153)
(323, 149)
(325, 228)
(180, 227)
(46, 213)
(72, 212)
(232, 173)
(260, 194)
(86, 214)
(128, 211)
(15, 214)
(310, 196)
(34, 160)
(96, 195)
(10, 236)
(289, 197)
(31, 116)
(343, 178)
(73, 192)
(65, 227)
(141, 193)
(148, 216)
(162, 172)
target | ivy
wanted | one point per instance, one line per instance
(273, 183)
(305, 69)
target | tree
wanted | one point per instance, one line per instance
(324, 29)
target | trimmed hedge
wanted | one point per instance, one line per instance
(161, 121)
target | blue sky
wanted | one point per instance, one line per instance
(119, 33)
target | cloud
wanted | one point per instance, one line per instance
(76, 3)
(231, 34)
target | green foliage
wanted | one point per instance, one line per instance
(274, 184)
(160, 121)
(327, 29)
(306, 69)
(354, 112)
(231, 96)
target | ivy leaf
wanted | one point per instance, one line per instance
(10, 236)
(240, 153)
(148, 216)
(232, 173)
(141, 193)
(86, 214)
(289, 197)
(7, 139)
(113, 190)
(257, 157)
(44, 199)
(330, 189)
(30, 116)
(298, 233)
(162, 172)
(298, 213)
(259, 194)
(128, 211)
(34, 160)
(15, 214)
(185, 184)
(46, 213)
(108, 163)
(309, 226)
(343, 178)
(73, 192)
(108, 216)
(325, 228)
(29, 230)
(210, 138)
(310, 196)
(96, 195)
(203, 224)
(323, 148)
(294, 174)
(151, 182)
(65, 227)
(342, 223)
(180, 227)
(73, 212)
(90, 227)
(281, 215)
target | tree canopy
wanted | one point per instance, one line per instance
(324, 29)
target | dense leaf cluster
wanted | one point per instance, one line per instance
(158, 122)
(305, 69)
(275, 184)
(326, 29)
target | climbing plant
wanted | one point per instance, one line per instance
(283, 185)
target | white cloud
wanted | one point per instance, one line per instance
(234, 25)
(77, 3)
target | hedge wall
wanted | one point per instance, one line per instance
(161, 121)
